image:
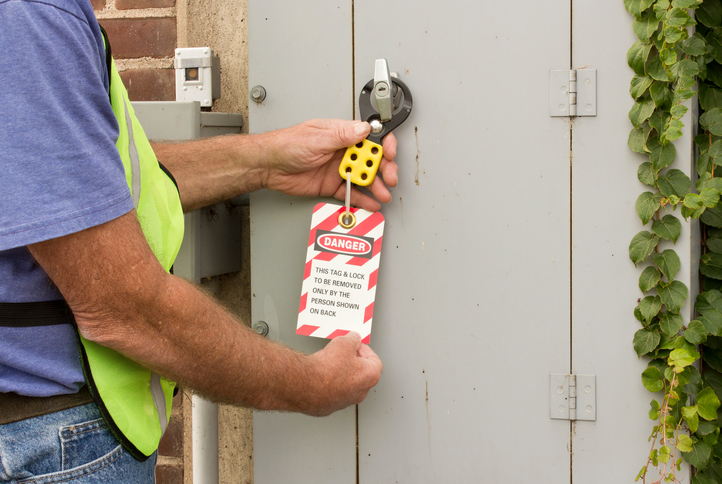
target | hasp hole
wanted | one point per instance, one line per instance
(364, 176)
(369, 163)
(374, 150)
(360, 145)
(354, 157)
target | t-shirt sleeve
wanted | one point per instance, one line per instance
(60, 171)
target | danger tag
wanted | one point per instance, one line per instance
(339, 282)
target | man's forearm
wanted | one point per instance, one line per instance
(122, 299)
(211, 170)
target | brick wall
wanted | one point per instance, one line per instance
(143, 38)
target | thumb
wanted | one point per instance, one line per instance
(354, 132)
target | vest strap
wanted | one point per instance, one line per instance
(29, 314)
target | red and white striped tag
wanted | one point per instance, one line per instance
(339, 283)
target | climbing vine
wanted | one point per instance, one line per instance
(679, 48)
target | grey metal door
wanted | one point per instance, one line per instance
(500, 265)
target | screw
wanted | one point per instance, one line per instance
(261, 327)
(258, 94)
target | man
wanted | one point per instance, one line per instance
(72, 228)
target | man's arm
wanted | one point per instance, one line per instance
(123, 299)
(302, 160)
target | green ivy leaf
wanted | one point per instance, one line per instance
(706, 182)
(668, 56)
(681, 94)
(636, 7)
(713, 37)
(638, 314)
(709, 305)
(645, 26)
(712, 121)
(668, 262)
(709, 13)
(693, 201)
(670, 323)
(710, 97)
(711, 265)
(714, 244)
(655, 67)
(714, 73)
(707, 404)
(706, 428)
(679, 111)
(647, 205)
(678, 17)
(668, 228)
(664, 454)
(661, 155)
(637, 56)
(674, 34)
(713, 217)
(673, 296)
(639, 86)
(695, 45)
(682, 357)
(649, 278)
(694, 213)
(690, 416)
(645, 341)
(649, 307)
(674, 182)
(642, 246)
(684, 443)
(641, 111)
(704, 164)
(686, 68)
(710, 197)
(661, 95)
(699, 456)
(695, 333)
(646, 174)
(652, 381)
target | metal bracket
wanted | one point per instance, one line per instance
(573, 397)
(573, 92)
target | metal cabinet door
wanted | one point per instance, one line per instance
(473, 301)
(474, 307)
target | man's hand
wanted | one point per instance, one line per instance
(302, 160)
(349, 370)
(305, 158)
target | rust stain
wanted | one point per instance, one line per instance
(416, 134)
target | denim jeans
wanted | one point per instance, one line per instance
(73, 445)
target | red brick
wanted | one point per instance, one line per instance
(168, 474)
(98, 5)
(131, 38)
(149, 84)
(171, 445)
(128, 4)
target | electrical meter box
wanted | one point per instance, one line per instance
(212, 234)
(197, 75)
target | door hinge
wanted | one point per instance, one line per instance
(573, 397)
(573, 92)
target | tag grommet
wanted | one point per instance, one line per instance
(346, 220)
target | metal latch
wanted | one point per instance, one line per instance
(573, 397)
(573, 92)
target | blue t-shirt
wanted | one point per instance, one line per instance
(60, 171)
